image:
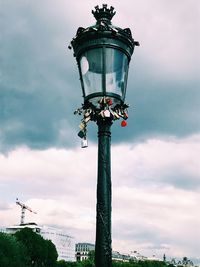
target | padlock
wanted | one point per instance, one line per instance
(81, 134)
(111, 111)
(123, 123)
(109, 101)
(101, 101)
(82, 125)
(84, 143)
(102, 114)
(125, 115)
(78, 111)
(118, 112)
(106, 113)
(116, 115)
(87, 119)
(87, 112)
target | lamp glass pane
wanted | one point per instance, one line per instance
(116, 69)
(91, 65)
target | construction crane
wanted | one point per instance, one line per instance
(23, 208)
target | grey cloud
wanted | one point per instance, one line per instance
(39, 85)
(29, 118)
(35, 91)
(180, 179)
(161, 108)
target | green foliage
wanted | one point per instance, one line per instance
(26, 249)
(41, 252)
(133, 263)
(34, 245)
(63, 263)
(91, 255)
(121, 264)
(12, 252)
(52, 254)
(87, 263)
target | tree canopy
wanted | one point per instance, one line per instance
(12, 252)
(41, 252)
(26, 249)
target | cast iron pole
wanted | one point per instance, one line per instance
(103, 249)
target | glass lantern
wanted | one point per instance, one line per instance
(103, 72)
(103, 53)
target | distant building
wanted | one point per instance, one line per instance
(64, 243)
(154, 258)
(137, 256)
(82, 250)
(116, 256)
(14, 228)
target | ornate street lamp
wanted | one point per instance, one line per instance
(103, 53)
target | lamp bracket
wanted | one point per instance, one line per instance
(105, 110)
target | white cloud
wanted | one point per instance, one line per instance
(151, 211)
(160, 161)
(156, 216)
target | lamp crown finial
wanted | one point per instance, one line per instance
(103, 13)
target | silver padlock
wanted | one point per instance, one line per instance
(106, 113)
(88, 112)
(87, 119)
(116, 115)
(84, 143)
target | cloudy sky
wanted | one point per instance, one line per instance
(155, 159)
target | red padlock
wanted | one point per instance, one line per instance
(123, 123)
(109, 101)
(125, 115)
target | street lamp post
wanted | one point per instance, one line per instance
(103, 53)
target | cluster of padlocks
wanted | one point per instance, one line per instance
(104, 110)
